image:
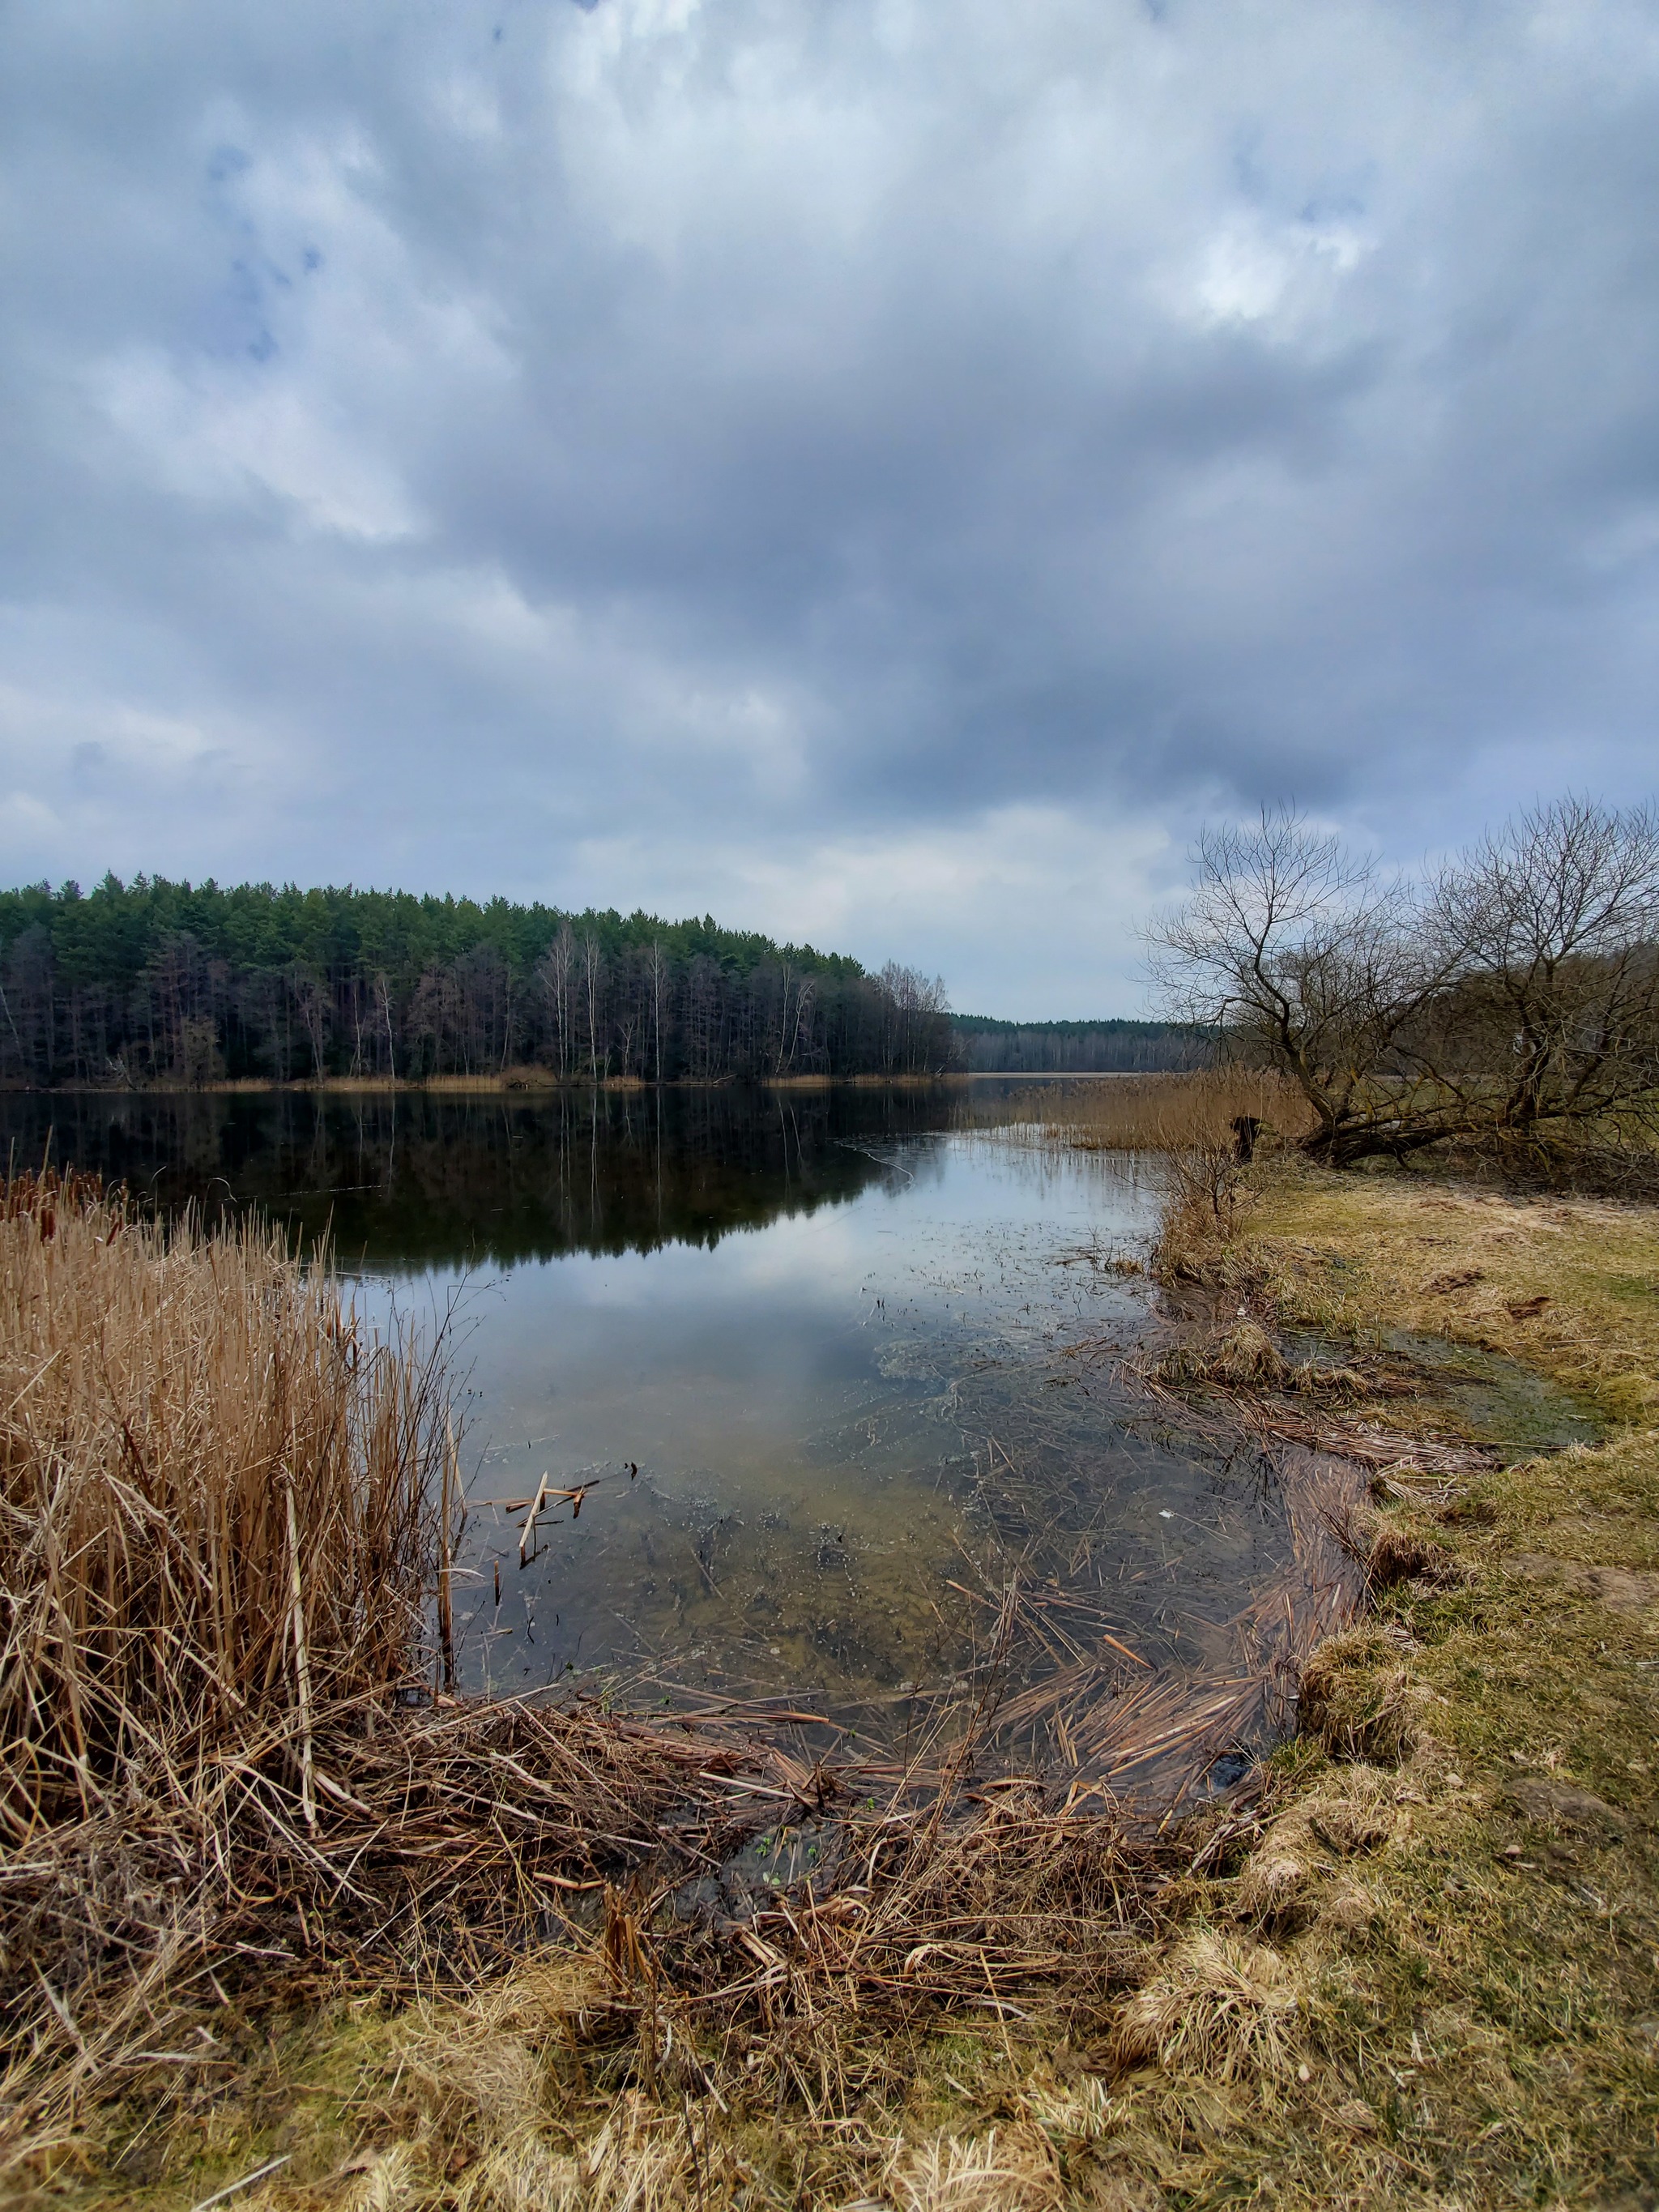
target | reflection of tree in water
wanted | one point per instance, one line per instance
(419, 1178)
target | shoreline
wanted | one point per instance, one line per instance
(1417, 1943)
(522, 1081)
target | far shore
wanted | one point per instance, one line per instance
(544, 1079)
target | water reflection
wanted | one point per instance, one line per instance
(413, 1180)
(802, 1405)
(818, 1366)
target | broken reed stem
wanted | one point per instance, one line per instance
(529, 1528)
(301, 1669)
(446, 1613)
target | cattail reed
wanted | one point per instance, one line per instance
(218, 1494)
(1156, 1113)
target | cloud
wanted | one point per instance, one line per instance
(871, 472)
(1041, 908)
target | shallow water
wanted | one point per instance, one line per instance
(839, 1424)
(1512, 1406)
(828, 1373)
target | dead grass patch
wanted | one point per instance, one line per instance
(1005, 2170)
(1359, 1697)
(1218, 2005)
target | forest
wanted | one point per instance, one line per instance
(155, 982)
(994, 1047)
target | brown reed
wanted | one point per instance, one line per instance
(1139, 1112)
(217, 1494)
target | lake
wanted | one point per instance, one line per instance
(834, 1376)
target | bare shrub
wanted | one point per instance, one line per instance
(1199, 1211)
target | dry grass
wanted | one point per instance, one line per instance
(1160, 1114)
(1239, 1357)
(217, 1498)
(1218, 2005)
(1358, 1700)
(1007, 2170)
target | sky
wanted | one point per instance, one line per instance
(879, 473)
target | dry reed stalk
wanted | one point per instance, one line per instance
(447, 1553)
(1141, 1112)
(302, 1666)
(215, 1494)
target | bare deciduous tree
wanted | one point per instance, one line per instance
(555, 968)
(1305, 958)
(1556, 918)
(592, 988)
(1516, 991)
(657, 982)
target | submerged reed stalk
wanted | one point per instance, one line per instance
(217, 1500)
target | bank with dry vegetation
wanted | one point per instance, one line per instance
(1492, 1973)
(260, 1907)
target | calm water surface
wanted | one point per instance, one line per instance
(831, 1365)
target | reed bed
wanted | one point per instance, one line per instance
(227, 1524)
(1167, 1114)
(219, 1501)
(1202, 1127)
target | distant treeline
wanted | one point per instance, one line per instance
(164, 982)
(993, 1047)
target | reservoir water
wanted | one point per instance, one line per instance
(831, 1374)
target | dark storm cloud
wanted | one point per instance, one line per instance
(877, 471)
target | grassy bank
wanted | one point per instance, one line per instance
(1487, 1987)
(1414, 1964)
